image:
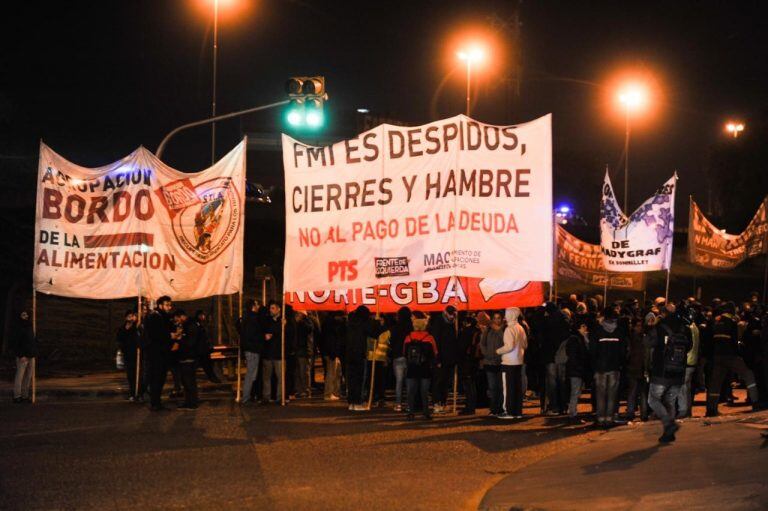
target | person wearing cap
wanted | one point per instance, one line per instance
(443, 328)
(608, 348)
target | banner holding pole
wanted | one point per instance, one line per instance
(137, 224)
(642, 241)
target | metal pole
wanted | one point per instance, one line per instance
(264, 291)
(456, 367)
(138, 351)
(469, 75)
(215, 68)
(202, 122)
(282, 355)
(626, 162)
(34, 332)
(605, 290)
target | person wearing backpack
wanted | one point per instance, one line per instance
(669, 356)
(420, 351)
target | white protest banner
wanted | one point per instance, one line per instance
(397, 204)
(642, 242)
(139, 226)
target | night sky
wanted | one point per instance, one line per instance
(97, 79)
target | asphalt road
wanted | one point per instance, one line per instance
(109, 454)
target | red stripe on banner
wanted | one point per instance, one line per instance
(120, 240)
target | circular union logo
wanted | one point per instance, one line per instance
(206, 229)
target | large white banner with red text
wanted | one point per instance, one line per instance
(409, 204)
(137, 226)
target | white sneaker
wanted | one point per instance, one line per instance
(359, 408)
(438, 409)
(505, 416)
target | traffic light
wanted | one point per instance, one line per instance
(305, 109)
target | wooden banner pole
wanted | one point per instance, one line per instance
(239, 343)
(138, 350)
(666, 291)
(282, 354)
(373, 356)
(34, 332)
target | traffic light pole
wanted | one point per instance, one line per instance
(161, 147)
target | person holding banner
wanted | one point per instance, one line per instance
(360, 328)
(158, 329)
(23, 346)
(128, 343)
(442, 327)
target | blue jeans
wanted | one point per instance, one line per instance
(606, 393)
(252, 371)
(493, 374)
(399, 365)
(684, 397)
(665, 411)
(573, 404)
(422, 386)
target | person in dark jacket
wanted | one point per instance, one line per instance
(442, 327)
(399, 331)
(726, 359)
(421, 353)
(607, 347)
(666, 379)
(158, 329)
(23, 346)
(128, 343)
(252, 343)
(555, 331)
(333, 333)
(490, 341)
(469, 339)
(206, 346)
(577, 367)
(637, 370)
(304, 353)
(359, 328)
(187, 356)
(272, 353)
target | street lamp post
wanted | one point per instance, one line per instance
(215, 69)
(632, 97)
(474, 54)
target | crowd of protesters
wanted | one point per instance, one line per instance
(653, 356)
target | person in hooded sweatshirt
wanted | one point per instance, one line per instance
(402, 327)
(607, 348)
(491, 340)
(512, 357)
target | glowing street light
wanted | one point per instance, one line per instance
(474, 54)
(633, 98)
(734, 128)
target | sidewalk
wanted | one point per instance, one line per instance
(715, 463)
(99, 384)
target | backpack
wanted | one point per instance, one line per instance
(676, 346)
(415, 353)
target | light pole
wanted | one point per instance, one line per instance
(474, 54)
(632, 97)
(215, 69)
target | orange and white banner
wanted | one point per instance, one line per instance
(408, 204)
(137, 226)
(583, 262)
(713, 248)
(429, 295)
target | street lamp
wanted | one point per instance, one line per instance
(633, 97)
(734, 128)
(474, 54)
